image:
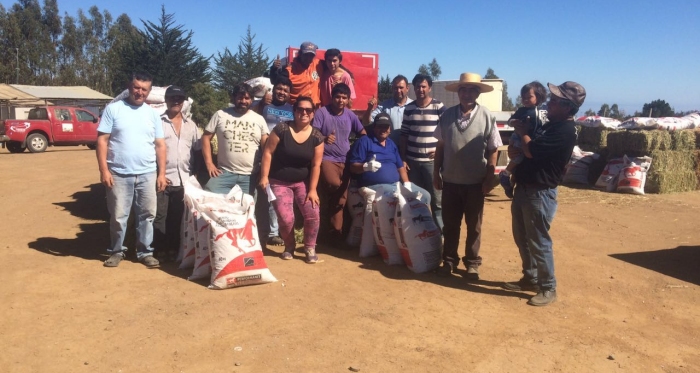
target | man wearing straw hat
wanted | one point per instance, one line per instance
(465, 160)
(535, 198)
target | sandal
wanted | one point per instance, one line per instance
(287, 255)
(311, 256)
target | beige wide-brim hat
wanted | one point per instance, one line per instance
(466, 79)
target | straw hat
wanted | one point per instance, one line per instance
(466, 79)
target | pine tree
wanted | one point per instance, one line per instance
(249, 62)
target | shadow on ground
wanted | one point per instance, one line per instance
(90, 242)
(456, 281)
(682, 263)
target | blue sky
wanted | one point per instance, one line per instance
(624, 52)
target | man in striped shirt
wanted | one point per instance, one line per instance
(417, 144)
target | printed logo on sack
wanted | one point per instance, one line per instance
(245, 233)
(392, 203)
(358, 205)
(238, 280)
(421, 219)
(427, 234)
(416, 205)
(248, 262)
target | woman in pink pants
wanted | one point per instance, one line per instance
(291, 164)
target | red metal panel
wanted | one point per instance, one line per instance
(365, 70)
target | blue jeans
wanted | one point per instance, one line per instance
(533, 211)
(138, 191)
(227, 180)
(421, 174)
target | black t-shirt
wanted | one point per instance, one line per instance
(551, 149)
(291, 160)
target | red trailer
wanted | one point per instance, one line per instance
(365, 70)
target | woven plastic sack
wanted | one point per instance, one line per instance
(417, 234)
(367, 245)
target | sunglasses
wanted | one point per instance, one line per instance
(304, 110)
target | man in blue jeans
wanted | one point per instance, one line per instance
(241, 133)
(129, 147)
(535, 201)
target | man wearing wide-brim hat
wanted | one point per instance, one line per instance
(465, 161)
(535, 199)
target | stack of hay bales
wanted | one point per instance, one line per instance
(673, 165)
(594, 139)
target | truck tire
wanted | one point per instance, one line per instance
(92, 146)
(37, 143)
(15, 147)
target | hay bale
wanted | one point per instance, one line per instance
(670, 181)
(697, 138)
(637, 143)
(697, 165)
(672, 160)
(592, 139)
(683, 140)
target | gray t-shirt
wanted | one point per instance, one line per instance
(239, 138)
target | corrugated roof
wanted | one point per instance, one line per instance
(62, 92)
(8, 92)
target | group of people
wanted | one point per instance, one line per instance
(294, 147)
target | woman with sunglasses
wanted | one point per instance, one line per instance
(291, 165)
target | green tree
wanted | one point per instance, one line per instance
(657, 108)
(249, 62)
(124, 56)
(432, 69)
(589, 113)
(384, 89)
(604, 110)
(207, 100)
(170, 56)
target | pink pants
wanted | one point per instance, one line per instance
(287, 193)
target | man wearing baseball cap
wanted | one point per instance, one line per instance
(304, 72)
(375, 157)
(181, 139)
(535, 200)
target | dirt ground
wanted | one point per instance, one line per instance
(628, 269)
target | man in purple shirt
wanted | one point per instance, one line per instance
(336, 124)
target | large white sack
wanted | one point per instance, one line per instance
(417, 234)
(639, 123)
(356, 208)
(383, 212)
(610, 172)
(188, 245)
(633, 175)
(694, 119)
(367, 245)
(598, 121)
(236, 255)
(672, 123)
(261, 86)
(576, 171)
(202, 262)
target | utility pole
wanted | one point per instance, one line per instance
(17, 67)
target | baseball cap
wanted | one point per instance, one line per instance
(571, 91)
(382, 119)
(175, 91)
(307, 47)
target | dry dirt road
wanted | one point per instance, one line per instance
(628, 269)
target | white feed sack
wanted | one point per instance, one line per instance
(236, 255)
(188, 244)
(598, 121)
(576, 171)
(417, 234)
(367, 245)
(633, 175)
(383, 211)
(356, 208)
(202, 262)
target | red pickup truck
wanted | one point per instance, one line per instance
(50, 125)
